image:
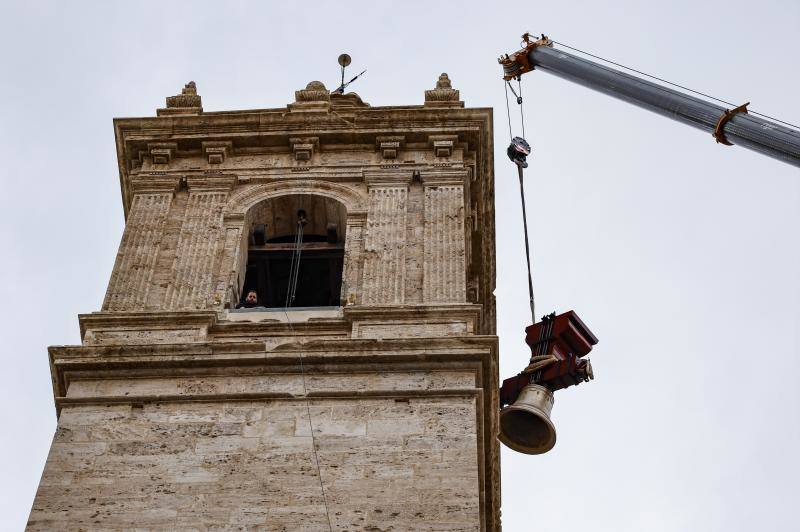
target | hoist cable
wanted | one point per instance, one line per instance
(527, 245)
(508, 113)
(288, 300)
(295, 267)
(519, 100)
(522, 190)
(310, 424)
(673, 84)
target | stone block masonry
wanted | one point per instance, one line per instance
(198, 465)
(177, 412)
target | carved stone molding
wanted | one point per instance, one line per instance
(303, 148)
(154, 184)
(315, 97)
(390, 177)
(162, 152)
(246, 196)
(444, 95)
(211, 183)
(217, 151)
(390, 146)
(315, 91)
(442, 144)
(443, 176)
(188, 102)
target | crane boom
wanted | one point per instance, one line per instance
(729, 126)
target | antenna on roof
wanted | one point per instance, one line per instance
(345, 60)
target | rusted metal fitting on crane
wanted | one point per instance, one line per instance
(516, 64)
(719, 131)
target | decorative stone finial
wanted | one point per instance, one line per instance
(314, 92)
(444, 95)
(188, 102)
(444, 81)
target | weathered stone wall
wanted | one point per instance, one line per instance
(375, 435)
(176, 414)
(201, 466)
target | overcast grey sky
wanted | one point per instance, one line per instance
(681, 255)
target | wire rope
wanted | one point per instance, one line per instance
(508, 112)
(298, 243)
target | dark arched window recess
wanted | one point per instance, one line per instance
(316, 245)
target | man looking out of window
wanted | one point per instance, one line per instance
(251, 301)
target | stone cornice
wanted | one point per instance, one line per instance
(172, 359)
(272, 129)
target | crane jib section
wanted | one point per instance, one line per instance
(740, 128)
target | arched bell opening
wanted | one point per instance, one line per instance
(295, 252)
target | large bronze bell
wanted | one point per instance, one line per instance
(525, 426)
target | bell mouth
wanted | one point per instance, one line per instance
(525, 426)
(527, 433)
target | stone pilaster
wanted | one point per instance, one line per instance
(385, 240)
(444, 276)
(234, 260)
(353, 257)
(199, 246)
(138, 250)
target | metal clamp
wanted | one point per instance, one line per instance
(516, 64)
(719, 133)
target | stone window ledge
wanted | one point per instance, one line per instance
(294, 314)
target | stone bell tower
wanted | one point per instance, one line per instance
(358, 393)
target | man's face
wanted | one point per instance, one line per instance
(251, 297)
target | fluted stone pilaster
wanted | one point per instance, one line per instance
(385, 244)
(138, 251)
(198, 246)
(444, 277)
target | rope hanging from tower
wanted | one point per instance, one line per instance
(294, 269)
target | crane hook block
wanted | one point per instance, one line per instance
(518, 151)
(516, 64)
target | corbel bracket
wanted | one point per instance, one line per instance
(303, 148)
(390, 146)
(217, 151)
(162, 152)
